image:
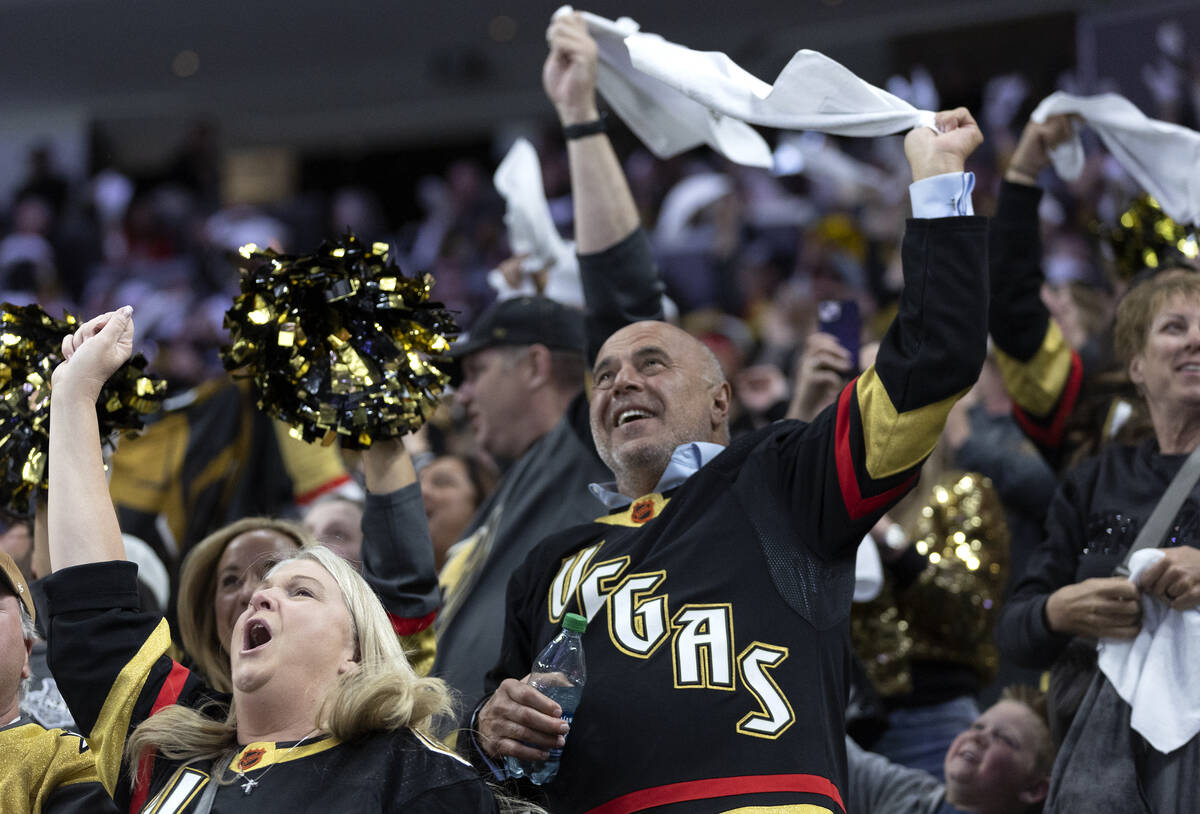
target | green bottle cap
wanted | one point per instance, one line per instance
(574, 622)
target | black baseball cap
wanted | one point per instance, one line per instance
(522, 321)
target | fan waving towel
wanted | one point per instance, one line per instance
(675, 98)
(531, 230)
(665, 120)
(1163, 158)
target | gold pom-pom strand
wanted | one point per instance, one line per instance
(1145, 238)
(30, 347)
(340, 344)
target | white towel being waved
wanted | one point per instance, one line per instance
(531, 231)
(665, 120)
(1155, 673)
(1163, 158)
(674, 98)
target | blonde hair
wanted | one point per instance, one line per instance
(384, 694)
(196, 606)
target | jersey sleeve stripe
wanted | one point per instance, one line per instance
(107, 737)
(896, 441)
(1037, 384)
(717, 787)
(856, 504)
(171, 688)
(1047, 430)
(407, 626)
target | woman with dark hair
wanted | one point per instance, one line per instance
(452, 488)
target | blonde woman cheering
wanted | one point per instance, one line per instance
(326, 713)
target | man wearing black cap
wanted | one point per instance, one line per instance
(41, 770)
(523, 366)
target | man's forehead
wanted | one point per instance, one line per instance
(639, 335)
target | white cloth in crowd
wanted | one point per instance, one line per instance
(665, 120)
(1163, 158)
(868, 571)
(674, 98)
(531, 231)
(1155, 672)
(683, 202)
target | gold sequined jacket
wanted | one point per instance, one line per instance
(948, 612)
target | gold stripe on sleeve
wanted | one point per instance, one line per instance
(897, 441)
(1037, 385)
(107, 738)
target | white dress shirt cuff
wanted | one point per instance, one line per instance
(943, 196)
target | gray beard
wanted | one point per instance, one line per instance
(645, 465)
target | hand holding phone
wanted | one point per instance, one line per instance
(840, 319)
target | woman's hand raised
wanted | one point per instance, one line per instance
(93, 353)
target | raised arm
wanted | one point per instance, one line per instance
(604, 210)
(1041, 371)
(397, 553)
(886, 422)
(82, 523)
(619, 277)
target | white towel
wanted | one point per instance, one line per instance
(685, 200)
(1156, 671)
(868, 571)
(674, 98)
(1163, 158)
(665, 120)
(531, 231)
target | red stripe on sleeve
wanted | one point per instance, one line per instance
(719, 787)
(1050, 435)
(406, 627)
(856, 505)
(324, 488)
(168, 694)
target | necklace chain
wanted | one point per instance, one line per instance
(252, 783)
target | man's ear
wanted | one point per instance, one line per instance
(1035, 793)
(540, 363)
(721, 399)
(26, 670)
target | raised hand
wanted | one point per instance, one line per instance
(569, 74)
(821, 374)
(1033, 150)
(93, 353)
(931, 153)
(1102, 608)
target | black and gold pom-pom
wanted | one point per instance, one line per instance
(30, 347)
(340, 344)
(1145, 238)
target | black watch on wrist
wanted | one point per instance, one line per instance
(584, 129)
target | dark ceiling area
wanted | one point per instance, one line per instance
(341, 88)
(314, 72)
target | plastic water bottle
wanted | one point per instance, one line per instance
(558, 672)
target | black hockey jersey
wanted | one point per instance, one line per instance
(717, 646)
(111, 662)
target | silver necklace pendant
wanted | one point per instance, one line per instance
(249, 785)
